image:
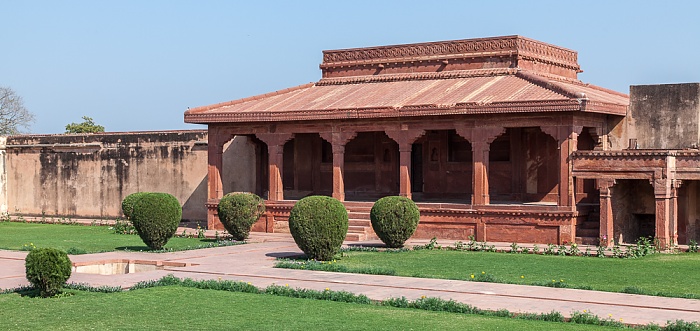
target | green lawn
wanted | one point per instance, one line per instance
(90, 239)
(675, 274)
(180, 308)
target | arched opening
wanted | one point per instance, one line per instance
(524, 167)
(441, 167)
(587, 196)
(262, 177)
(371, 168)
(634, 210)
(240, 165)
(586, 190)
(689, 212)
(307, 166)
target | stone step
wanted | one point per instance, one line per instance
(351, 236)
(358, 215)
(589, 225)
(587, 233)
(360, 222)
(357, 229)
(587, 240)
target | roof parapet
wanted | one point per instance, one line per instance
(481, 53)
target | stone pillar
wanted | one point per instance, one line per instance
(568, 143)
(662, 197)
(480, 139)
(338, 171)
(405, 139)
(338, 141)
(275, 148)
(673, 211)
(666, 203)
(215, 150)
(607, 231)
(663, 208)
(215, 156)
(405, 170)
(480, 173)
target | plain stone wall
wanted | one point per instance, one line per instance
(88, 175)
(665, 116)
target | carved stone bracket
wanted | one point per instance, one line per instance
(676, 183)
(480, 134)
(605, 185)
(338, 139)
(552, 131)
(405, 137)
(274, 139)
(216, 139)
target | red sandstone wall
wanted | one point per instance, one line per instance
(87, 176)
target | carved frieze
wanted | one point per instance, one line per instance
(498, 46)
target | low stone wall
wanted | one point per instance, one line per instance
(88, 175)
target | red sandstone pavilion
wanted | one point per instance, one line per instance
(492, 137)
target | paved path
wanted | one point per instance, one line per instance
(253, 263)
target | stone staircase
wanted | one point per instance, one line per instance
(588, 231)
(360, 225)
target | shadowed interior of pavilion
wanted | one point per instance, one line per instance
(523, 163)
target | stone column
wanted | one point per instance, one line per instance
(480, 139)
(405, 139)
(338, 141)
(338, 171)
(673, 211)
(215, 150)
(607, 231)
(215, 156)
(480, 173)
(666, 203)
(663, 209)
(275, 148)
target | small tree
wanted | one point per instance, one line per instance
(156, 217)
(47, 269)
(239, 211)
(88, 126)
(394, 220)
(319, 225)
(13, 115)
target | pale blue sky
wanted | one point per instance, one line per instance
(138, 65)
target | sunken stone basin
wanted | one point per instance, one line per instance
(123, 266)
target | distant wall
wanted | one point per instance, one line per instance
(88, 175)
(664, 116)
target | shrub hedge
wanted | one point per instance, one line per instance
(47, 269)
(319, 225)
(394, 220)
(239, 211)
(129, 201)
(156, 217)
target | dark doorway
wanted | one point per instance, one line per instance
(417, 168)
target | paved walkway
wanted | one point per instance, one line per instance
(253, 263)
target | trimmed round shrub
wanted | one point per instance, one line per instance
(319, 225)
(394, 220)
(47, 269)
(156, 217)
(129, 201)
(239, 211)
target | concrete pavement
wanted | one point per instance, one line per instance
(253, 263)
